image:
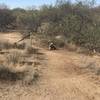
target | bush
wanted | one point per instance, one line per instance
(8, 74)
(20, 46)
(30, 50)
(14, 57)
(5, 45)
(71, 47)
(59, 43)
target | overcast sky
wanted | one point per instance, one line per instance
(27, 3)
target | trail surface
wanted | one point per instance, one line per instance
(65, 80)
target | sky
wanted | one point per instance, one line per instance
(28, 3)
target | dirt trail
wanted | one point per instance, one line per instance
(61, 79)
(10, 37)
(64, 81)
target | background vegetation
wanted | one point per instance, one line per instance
(77, 22)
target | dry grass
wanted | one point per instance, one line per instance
(8, 74)
(14, 57)
(31, 50)
(90, 65)
(25, 74)
(71, 47)
(13, 70)
(20, 46)
(5, 45)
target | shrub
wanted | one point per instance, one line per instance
(27, 75)
(71, 47)
(20, 46)
(8, 74)
(14, 57)
(58, 42)
(5, 45)
(30, 50)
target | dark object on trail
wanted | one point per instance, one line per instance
(52, 46)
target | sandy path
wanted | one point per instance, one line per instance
(64, 81)
(10, 37)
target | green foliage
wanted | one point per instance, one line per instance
(6, 19)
